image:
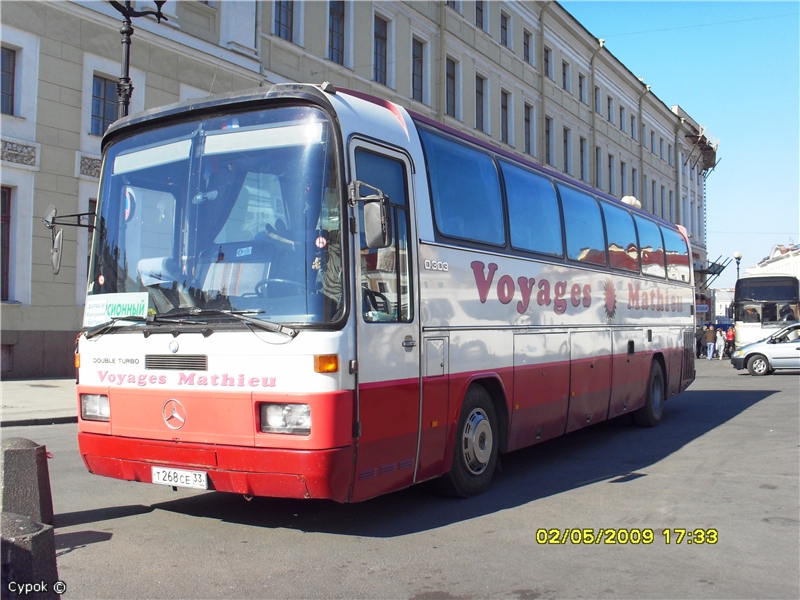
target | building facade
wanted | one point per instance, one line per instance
(524, 75)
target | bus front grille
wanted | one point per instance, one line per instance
(186, 362)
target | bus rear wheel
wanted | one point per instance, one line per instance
(476, 446)
(652, 412)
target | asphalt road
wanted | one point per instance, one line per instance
(724, 461)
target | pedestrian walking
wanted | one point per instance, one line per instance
(720, 343)
(730, 340)
(711, 342)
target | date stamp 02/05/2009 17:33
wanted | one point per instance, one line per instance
(594, 535)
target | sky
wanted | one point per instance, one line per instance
(734, 67)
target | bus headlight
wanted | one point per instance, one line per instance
(95, 407)
(286, 418)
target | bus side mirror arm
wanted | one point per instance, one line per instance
(376, 229)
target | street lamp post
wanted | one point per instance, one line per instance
(125, 87)
(738, 256)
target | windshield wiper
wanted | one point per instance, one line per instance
(240, 315)
(104, 327)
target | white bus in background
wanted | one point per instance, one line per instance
(762, 304)
(309, 293)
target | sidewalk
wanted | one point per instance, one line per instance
(38, 402)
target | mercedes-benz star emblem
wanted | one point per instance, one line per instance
(174, 414)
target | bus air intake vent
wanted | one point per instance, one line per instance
(186, 362)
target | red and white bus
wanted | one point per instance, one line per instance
(309, 293)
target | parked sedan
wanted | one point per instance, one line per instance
(781, 350)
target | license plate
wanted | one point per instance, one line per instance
(180, 478)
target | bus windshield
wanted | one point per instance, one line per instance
(230, 213)
(766, 300)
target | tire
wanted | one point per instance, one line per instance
(652, 412)
(758, 365)
(475, 448)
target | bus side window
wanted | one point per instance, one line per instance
(385, 276)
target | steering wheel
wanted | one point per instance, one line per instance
(373, 300)
(262, 286)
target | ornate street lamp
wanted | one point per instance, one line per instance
(738, 256)
(125, 87)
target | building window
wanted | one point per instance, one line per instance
(672, 206)
(284, 19)
(634, 183)
(566, 83)
(450, 75)
(598, 108)
(610, 109)
(582, 88)
(661, 148)
(634, 128)
(623, 178)
(451, 4)
(336, 32)
(480, 84)
(479, 14)
(548, 140)
(529, 121)
(663, 201)
(548, 63)
(584, 157)
(654, 196)
(5, 242)
(9, 66)
(622, 119)
(567, 149)
(598, 167)
(104, 104)
(653, 142)
(417, 70)
(526, 47)
(504, 30)
(90, 232)
(611, 182)
(381, 49)
(669, 155)
(504, 118)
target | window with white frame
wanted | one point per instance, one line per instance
(451, 87)
(548, 63)
(622, 119)
(336, 31)
(583, 149)
(529, 133)
(598, 167)
(582, 88)
(548, 141)
(505, 117)
(479, 20)
(418, 70)
(104, 104)
(566, 141)
(380, 54)
(9, 80)
(566, 76)
(527, 47)
(612, 184)
(504, 29)
(5, 241)
(480, 103)
(284, 19)
(609, 109)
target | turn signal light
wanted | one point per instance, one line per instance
(326, 363)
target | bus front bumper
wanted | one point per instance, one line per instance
(279, 473)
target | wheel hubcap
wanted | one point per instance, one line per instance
(477, 441)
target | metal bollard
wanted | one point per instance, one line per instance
(25, 487)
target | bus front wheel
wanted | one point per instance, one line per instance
(475, 452)
(652, 412)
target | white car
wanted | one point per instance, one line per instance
(781, 350)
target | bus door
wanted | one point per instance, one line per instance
(388, 332)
